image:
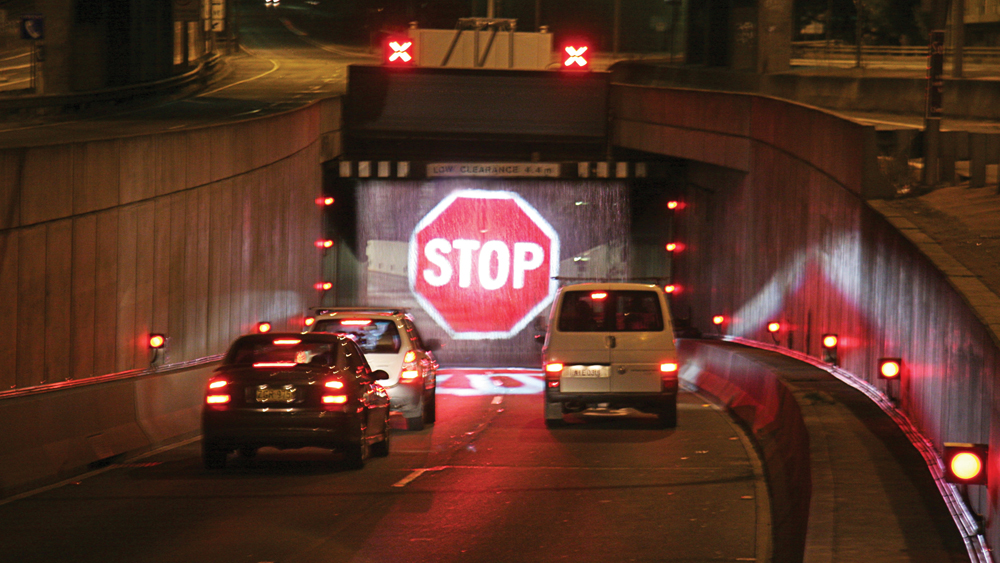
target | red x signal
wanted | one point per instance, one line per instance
(397, 51)
(574, 57)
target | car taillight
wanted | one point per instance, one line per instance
(553, 373)
(668, 374)
(333, 397)
(217, 396)
(410, 356)
(409, 374)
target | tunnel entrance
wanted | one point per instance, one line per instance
(469, 196)
(477, 260)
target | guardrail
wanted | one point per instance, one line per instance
(824, 49)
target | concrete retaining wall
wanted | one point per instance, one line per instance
(780, 231)
(196, 234)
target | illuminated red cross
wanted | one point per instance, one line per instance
(575, 56)
(400, 51)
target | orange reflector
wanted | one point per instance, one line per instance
(156, 341)
(286, 341)
(668, 367)
(598, 295)
(773, 327)
(334, 399)
(217, 399)
(410, 356)
(553, 367)
(356, 322)
(889, 368)
(409, 374)
(217, 384)
(829, 340)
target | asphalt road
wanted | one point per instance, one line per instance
(487, 483)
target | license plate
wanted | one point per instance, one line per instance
(275, 395)
(588, 371)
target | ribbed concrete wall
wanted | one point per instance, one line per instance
(196, 234)
(783, 233)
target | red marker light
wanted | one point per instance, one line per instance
(671, 246)
(324, 201)
(263, 327)
(324, 243)
(673, 204)
(574, 57)
(597, 296)
(966, 463)
(829, 340)
(718, 320)
(397, 51)
(323, 286)
(889, 368)
(670, 288)
(156, 341)
(309, 321)
(773, 327)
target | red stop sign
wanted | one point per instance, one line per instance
(483, 263)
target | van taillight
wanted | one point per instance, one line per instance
(669, 367)
(553, 372)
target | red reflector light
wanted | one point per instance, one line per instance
(889, 368)
(156, 341)
(597, 296)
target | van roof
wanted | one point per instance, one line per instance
(611, 285)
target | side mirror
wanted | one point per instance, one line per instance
(432, 344)
(380, 375)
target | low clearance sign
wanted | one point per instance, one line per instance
(483, 264)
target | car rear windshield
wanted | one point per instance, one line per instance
(610, 311)
(283, 351)
(374, 336)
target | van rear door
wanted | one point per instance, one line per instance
(580, 342)
(642, 339)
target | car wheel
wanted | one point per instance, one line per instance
(415, 423)
(381, 448)
(356, 454)
(213, 456)
(667, 415)
(430, 407)
(554, 414)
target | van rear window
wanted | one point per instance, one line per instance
(610, 311)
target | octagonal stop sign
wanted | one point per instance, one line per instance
(483, 264)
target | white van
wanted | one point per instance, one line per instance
(610, 344)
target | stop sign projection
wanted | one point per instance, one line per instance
(483, 264)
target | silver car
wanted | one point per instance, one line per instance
(390, 342)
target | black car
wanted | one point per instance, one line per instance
(291, 390)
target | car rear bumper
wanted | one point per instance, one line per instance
(615, 400)
(235, 428)
(405, 398)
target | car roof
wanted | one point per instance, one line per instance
(611, 286)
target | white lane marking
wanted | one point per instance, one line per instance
(416, 473)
